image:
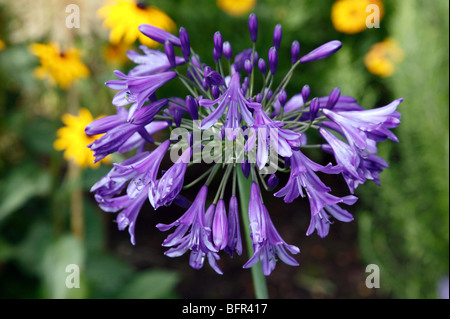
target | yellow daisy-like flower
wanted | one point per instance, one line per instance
(123, 18)
(383, 56)
(60, 67)
(349, 16)
(116, 54)
(73, 140)
(236, 7)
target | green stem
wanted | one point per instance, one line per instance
(259, 280)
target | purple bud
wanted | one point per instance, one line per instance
(253, 26)
(205, 85)
(248, 66)
(159, 35)
(255, 59)
(259, 98)
(277, 34)
(214, 78)
(192, 107)
(305, 92)
(245, 85)
(220, 226)
(245, 165)
(227, 51)
(215, 91)
(272, 182)
(333, 98)
(234, 233)
(282, 97)
(262, 66)
(185, 43)
(314, 108)
(322, 52)
(218, 44)
(170, 53)
(295, 51)
(273, 60)
(216, 55)
(209, 215)
(287, 162)
(269, 94)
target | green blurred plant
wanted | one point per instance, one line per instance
(405, 228)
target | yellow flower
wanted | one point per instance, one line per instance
(60, 67)
(2, 45)
(236, 7)
(123, 18)
(383, 56)
(349, 16)
(116, 54)
(73, 140)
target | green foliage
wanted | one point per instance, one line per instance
(405, 228)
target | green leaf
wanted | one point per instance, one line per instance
(57, 268)
(106, 274)
(20, 185)
(31, 249)
(152, 284)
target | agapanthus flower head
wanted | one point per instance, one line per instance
(243, 131)
(60, 67)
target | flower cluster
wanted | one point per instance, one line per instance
(264, 128)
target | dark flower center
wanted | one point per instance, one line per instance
(141, 5)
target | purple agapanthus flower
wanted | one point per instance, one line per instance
(151, 62)
(303, 177)
(357, 126)
(192, 234)
(267, 242)
(139, 172)
(122, 135)
(137, 90)
(270, 133)
(235, 103)
(322, 221)
(243, 108)
(234, 242)
(164, 190)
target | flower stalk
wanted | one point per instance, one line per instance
(259, 280)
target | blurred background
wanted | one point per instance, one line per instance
(54, 62)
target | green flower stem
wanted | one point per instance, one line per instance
(259, 280)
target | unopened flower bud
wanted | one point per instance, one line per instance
(273, 60)
(277, 35)
(185, 43)
(295, 51)
(262, 66)
(333, 98)
(322, 52)
(253, 26)
(227, 50)
(170, 53)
